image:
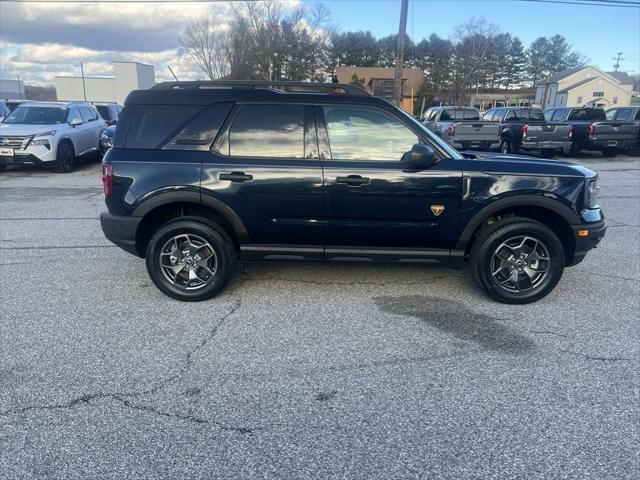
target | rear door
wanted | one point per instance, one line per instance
(376, 207)
(265, 167)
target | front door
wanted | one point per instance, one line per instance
(265, 167)
(376, 206)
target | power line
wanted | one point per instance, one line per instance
(591, 3)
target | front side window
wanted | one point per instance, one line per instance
(74, 115)
(88, 114)
(357, 133)
(268, 131)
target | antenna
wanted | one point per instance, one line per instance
(618, 59)
(174, 75)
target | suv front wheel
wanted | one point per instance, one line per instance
(190, 259)
(517, 260)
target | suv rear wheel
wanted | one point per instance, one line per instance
(190, 259)
(506, 146)
(517, 260)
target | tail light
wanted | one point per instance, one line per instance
(451, 130)
(524, 131)
(571, 132)
(590, 130)
(107, 179)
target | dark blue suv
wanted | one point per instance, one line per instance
(205, 174)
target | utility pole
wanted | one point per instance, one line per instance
(397, 78)
(617, 59)
(19, 86)
(84, 89)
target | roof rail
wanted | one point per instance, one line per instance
(284, 86)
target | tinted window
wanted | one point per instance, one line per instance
(366, 134)
(624, 114)
(511, 115)
(152, 125)
(558, 116)
(199, 133)
(535, 115)
(587, 114)
(105, 112)
(268, 131)
(36, 116)
(460, 114)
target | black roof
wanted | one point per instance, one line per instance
(204, 93)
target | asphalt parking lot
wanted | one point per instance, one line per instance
(308, 371)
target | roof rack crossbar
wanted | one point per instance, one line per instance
(285, 86)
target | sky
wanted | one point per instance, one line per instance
(41, 40)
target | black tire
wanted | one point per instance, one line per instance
(610, 152)
(485, 251)
(199, 230)
(506, 146)
(547, 153)
(571, 150)
(65, 158)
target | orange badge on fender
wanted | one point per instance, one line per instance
(437, 209)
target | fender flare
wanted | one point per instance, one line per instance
(515, 201)
(214, 204)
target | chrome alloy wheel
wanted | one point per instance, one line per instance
(520, 263)
(188, 261)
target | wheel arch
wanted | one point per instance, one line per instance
(160, 209)
(550, 212)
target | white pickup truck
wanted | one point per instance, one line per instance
(462, 128)
(51, 134)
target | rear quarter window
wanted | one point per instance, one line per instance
(151, 126)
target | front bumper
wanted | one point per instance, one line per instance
(596, 232)
(36, 155)
(121, 231)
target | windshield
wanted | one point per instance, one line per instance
(426, 132)
(36, 116)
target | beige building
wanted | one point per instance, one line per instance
(584, 86)
(379, 82)
(127, 76)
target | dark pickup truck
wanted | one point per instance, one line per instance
(523, 128)
(592, 130)
(627, 114)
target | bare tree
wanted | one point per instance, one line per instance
(205, 43)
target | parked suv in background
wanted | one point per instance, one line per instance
(51, 134)
(462, 128)
(109, 112)
(199, 177)
(592, 130)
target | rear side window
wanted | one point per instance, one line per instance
(624, 114)
(199, 133)
(268, 131)
(558, 116)
(587, 114)
(153, 125)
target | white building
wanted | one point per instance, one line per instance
(584, 86)
(11, 89)
(127, 76)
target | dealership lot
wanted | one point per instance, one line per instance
(390, 371)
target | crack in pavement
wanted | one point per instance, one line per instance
(617, 277)
(123, 397)
(596, 358)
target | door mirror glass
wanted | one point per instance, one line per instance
(420, 157)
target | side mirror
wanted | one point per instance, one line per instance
(420, 157)
(74, 122)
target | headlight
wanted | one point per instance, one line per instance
(41, 141)
(591, 192)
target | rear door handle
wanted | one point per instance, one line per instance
(354, 180)
(237, 177)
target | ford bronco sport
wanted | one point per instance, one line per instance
(204, 174)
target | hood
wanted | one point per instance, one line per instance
(7, 129)
(496, 163)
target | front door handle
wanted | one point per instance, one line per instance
(237, 177)
(354, 180)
